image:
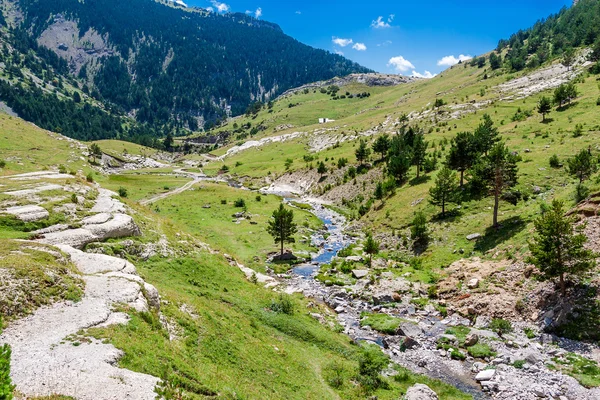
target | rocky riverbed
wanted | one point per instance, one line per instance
(525, 364)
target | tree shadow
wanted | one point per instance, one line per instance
(548, 121)
(495, 236)
(421, 179)
(450, 216)
(567, 106)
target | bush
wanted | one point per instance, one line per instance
(581, 192)
(74, 198)
(90, 177)
(62, 169)
(240, 203)
(2, 163)
(519, 364)
(371, 362)
(501, 326)
(283, 305)
(481, 350)
(554, 161)
(122, 192)
(457, 355)
(529, 333)
(598, 101)
(6, 388)
(223, 201)
(334, 374)
(258, 197)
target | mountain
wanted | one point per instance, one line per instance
(161, 64)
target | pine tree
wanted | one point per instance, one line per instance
(445, 189)
(497, 172)
(418, 229)
(544, 107)
(371, 247)
(582, 165)
(486, 135)
(463, 153)
(419, 150)
(558, 247)
(378, 194)
(362, 152)
(321, 168)
(282, 226)
(6, 387)
(381, 145)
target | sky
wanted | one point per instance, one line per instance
(403, 37)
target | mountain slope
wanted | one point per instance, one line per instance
(163, 64)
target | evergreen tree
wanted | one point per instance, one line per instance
(282, 227)
(371, 247)
(321, 168)
(497, 172)
(445, 189)
(544, 107)
(568, 57)
(418, 229)
(95, 151)
(381, 145)
(495, 61)
(582, 165)
(463, 153)
(558, 248)
(168, 142)
(379, 193)
(419, 150)
(6, 387)
(486, 135)
(362, 152)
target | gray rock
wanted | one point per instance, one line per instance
(485, 375)
(533, 358)
(409, 329)
(420, 392)
(482, 322)
(360, 273)
(473, 236)
(354, 259)
(473, 283)
(409, 343)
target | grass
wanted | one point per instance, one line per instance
(143, 186)
(249, 242)
(460, 332)
(35, 277)
(481, 350)
(381, 322)
(583, 369)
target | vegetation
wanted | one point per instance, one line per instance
(381, 322)
(445, 190)
(282, 226)
(371, 247)
(558, 248)
(6, 388)
(501, 326)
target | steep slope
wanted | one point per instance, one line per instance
(164, 64)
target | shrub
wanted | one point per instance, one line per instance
(2, 163)
(578, 132)
(224, 169)
(529, 333)
(62, 169)
(334, 374)
(501, 326)
(481, 350)
(598, 101)
(74, 198)
(6, 387)
(90, 177)
(122, 192)
(554, 161)
(240, 203)
(258, 197)
(223, 201)
(283, 305)
(371, 362)
(519, 364)
(457, 355)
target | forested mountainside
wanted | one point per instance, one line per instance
(163, 65)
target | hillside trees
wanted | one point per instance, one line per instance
(558, 247)
(544, 107)
(496, 173)
(486, 135)
(463, 154)
(419, 151)
(565, 93)
(399, 159)
(371, 247)
(445, 189)
(363, 152)
(381, 145)
(282, 227)
(582, 165)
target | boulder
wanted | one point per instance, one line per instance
(287, 256)
(473, 236)
(387, 290)
(28, 213)
(471, 339)
(485, 375)
(354, 259)
(420, 392)
(360, 273)
(533, 358)
(409, 329)
(409, 343)
(473, 283)
(482, 322)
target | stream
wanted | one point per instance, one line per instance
(348, 309)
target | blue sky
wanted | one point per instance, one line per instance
(397, 36)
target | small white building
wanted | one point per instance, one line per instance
(325, 120)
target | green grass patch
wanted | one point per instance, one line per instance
(380, 322)
(481, 350)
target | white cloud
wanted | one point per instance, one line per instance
(426, 75)
(359, 47)
(341, 42)
(338, 52)
(381, 23)
(210, 9)
(400, 64)
(220, 7)
(384, 44)
(449, 61)
(258, 12)
(248, 12)
(298, 12)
